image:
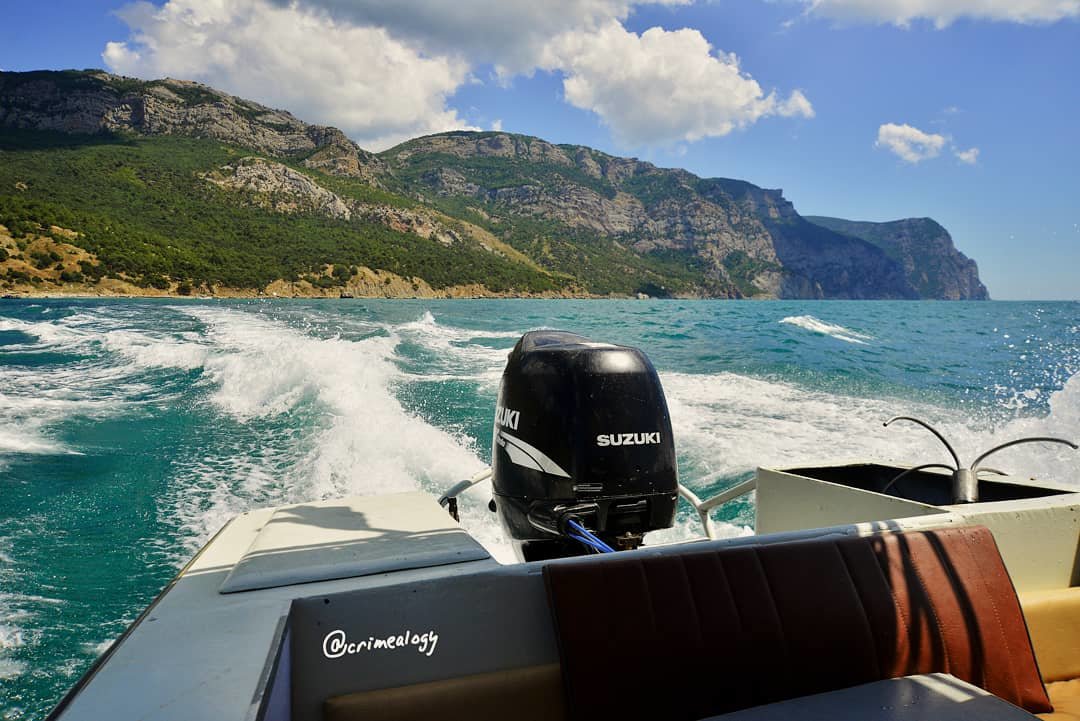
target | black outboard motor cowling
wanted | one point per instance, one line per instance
(582, 433)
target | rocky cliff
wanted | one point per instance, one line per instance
(745, 240)
(565, 216)
(931, 262)
(96, 101)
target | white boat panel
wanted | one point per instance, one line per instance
(790, 502)
(200, 654)
(351, 537)
(1039, 538)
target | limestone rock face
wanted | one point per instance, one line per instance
(747, 240)
(280, 188)
(97, 101)
(931, 262)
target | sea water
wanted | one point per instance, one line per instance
(132, 430)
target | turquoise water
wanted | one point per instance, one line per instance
(131, 430)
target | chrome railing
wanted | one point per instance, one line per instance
(448, 500)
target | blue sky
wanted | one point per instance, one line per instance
(865, 109)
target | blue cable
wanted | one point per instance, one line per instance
(585, 542)
(591, 546)
(592, 541)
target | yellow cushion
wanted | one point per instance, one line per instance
(1065, 696)
(523, 694)
(1053, 620)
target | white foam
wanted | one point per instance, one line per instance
(10, 669)
(155, 352)
(14, 617)
(23, 442)
(49, 335)
(10, 638)
(457, 354)
(815, 325)
(731, 424)
(360, 440)
(96, 649)
(92, 385)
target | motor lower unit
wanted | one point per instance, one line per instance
(582, 440)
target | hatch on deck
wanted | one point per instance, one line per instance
(351, 537)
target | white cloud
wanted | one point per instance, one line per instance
(119, 55)
(662, 86)
(909, 143)
(914, 146)
(943, 12)
(384, 71)
(510, 34)
(376, 88)
(969, 156)
(496, 125)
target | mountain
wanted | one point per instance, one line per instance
(932, 264)
(173, 186)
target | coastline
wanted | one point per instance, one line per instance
(378, 285)
(49, 260)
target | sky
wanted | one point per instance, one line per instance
(960, 110)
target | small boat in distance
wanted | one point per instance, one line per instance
(867, 591)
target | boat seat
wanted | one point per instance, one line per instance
(1065, 697)
(524, 694)
(931, 697)
(693, 635)
(1053, 618)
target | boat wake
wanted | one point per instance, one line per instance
(302, 413)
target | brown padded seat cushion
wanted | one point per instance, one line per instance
(687, 636)
(523, 694)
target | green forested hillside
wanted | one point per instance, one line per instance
(141, 205)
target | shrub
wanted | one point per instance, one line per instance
(91, 270)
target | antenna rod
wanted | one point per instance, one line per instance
(1038, 439)
(927, 426)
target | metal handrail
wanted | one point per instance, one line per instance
(461, 486)
(703, 508)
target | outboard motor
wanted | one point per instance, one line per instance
(582, 440)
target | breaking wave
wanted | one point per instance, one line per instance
(814, 325)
